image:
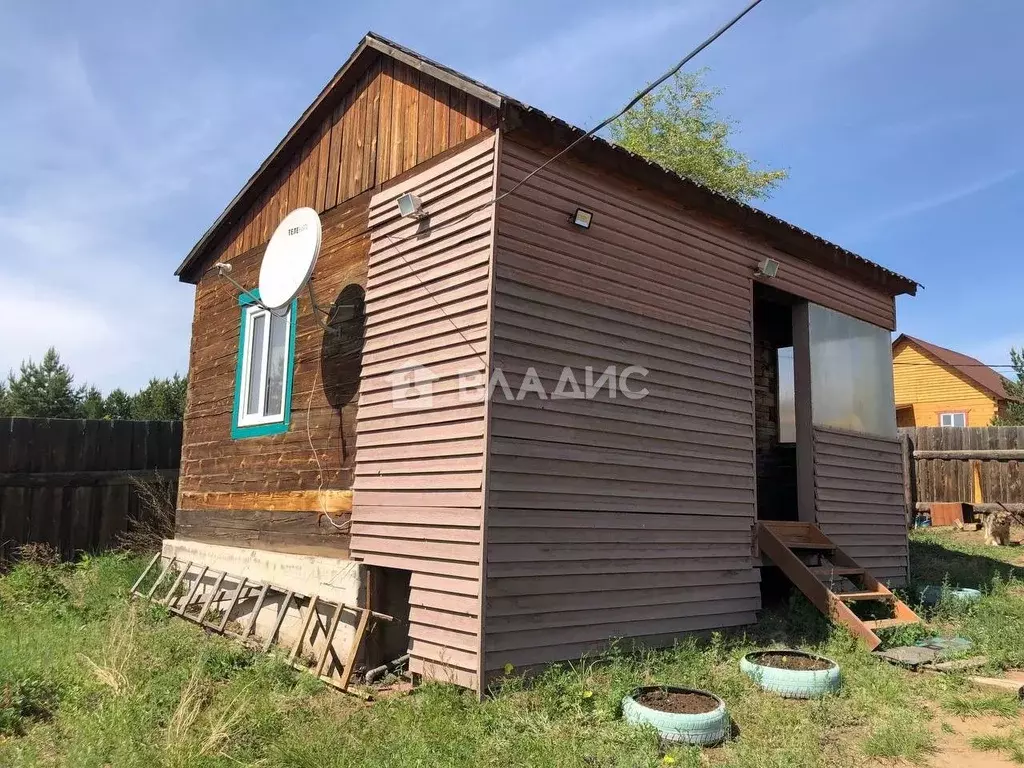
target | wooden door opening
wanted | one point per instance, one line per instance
(389, 593)
(774, 405)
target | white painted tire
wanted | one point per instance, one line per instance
(792, 683)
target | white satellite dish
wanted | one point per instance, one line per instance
(290, 257)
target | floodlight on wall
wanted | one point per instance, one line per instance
(768, 268)
(410, 207)
(223, 268)
(582, 218)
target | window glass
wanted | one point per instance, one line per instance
(276, 364)
(851, 373)
(264, 366)
(787, 398)
(255, 356)
(953, 419)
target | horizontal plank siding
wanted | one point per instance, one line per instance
(858, 483)
(418, 500)
(614, 517)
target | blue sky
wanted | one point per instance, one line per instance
(126, 128)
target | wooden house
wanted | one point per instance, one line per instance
(937, 387)
(532, 525)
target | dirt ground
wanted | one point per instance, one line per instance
(955, 750)
(977, 539)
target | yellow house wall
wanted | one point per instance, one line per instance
(932, 389)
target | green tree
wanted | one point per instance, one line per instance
(678, 127)
(93, 406)
(160, 400)
(4, 409)
(118, 405)
(44, 390)
(1013, 413)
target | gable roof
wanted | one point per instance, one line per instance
(513, 114)
(968, 367)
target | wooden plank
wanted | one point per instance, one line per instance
(282, 612)
(166, 599)
(256, 611)
(180, 610)
(231, 606)
(333, 501)
(145, 573)
(332, 628)
(209, 599)
(152, 589)
(297, 646)
(357, 641)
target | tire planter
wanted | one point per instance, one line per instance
(704, 729)
(792, 683)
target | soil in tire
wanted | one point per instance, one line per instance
(678, 703)
(793, 661)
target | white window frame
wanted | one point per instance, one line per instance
(250, 420)
(952, 418)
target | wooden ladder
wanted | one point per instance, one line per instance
(788, 544)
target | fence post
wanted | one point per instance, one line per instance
(907, 454)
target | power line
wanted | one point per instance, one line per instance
(420, 232)
(603, 124)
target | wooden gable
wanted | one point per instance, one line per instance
(393, 118)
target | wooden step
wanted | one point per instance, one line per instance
(886, 623)
(844, 596)
(835, 570)
(786, 544)
(816, 546)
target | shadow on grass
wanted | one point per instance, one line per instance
(931, 563)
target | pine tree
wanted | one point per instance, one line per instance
(93, 406)
(1012, 413)
(44, 390)
(118, 404)
(160, 400)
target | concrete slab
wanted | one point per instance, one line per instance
(335, 580)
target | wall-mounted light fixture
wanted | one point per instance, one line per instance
(410, 207)
(768, 268)
(581, 218)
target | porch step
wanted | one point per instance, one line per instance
(785, 544)
(844, 596)
(888, 623)
(835, 570)
(812, 546)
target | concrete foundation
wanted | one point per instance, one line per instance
(335, 580)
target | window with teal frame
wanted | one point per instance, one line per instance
(266, 363)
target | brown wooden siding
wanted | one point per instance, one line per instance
(418, 501)
(328, 367)
(858, 486)
(615, 517)
(395, 118)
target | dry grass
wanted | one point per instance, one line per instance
(117, 654)
(158, 500)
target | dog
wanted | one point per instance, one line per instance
(997, 529)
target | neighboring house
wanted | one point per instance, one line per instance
(937, 387)
(526, 530)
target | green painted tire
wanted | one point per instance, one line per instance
(792, 683)
(704, 729)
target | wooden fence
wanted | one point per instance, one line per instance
(69, 482)
(979, 465)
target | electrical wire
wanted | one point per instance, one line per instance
(603, 124)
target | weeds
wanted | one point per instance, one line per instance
(977, 706)
(88, 679)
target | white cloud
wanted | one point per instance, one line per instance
(96, 188)
(572, 64)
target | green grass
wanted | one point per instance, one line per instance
(1010, 744)
(89, 679)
